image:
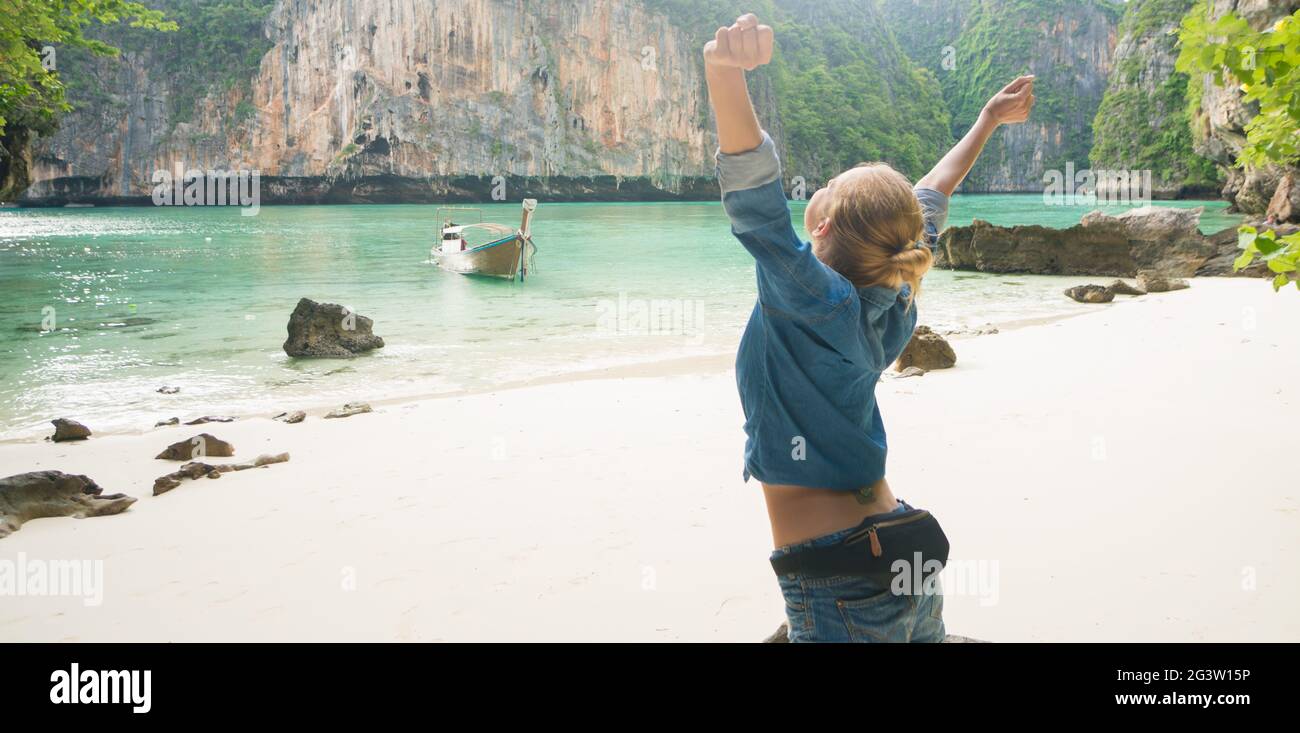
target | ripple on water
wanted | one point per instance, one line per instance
(167, 306)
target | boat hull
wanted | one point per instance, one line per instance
(501, 258)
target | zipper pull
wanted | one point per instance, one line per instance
(875, 542)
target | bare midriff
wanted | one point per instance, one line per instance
(799, 513)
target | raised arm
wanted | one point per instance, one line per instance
(791, 280)
(744, 46)
(1008, 107)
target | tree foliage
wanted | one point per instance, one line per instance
(31, 92)
(1265, 65)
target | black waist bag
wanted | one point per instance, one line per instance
(874, 547)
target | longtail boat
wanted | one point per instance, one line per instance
(479, 248)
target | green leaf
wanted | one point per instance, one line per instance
(1280, 282)
(1245, 236)
(1242, 261)
(1281, 265)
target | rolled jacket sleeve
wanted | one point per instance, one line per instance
(934, 209)
(748, 171)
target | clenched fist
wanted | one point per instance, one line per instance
(745, 45)
(1012, 105)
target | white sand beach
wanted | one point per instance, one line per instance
(1123, 475)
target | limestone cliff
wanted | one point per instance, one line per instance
(1220, 117)
(975, 47)
(411, 100)
(1142, 123)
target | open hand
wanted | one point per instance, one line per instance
(745, 45)
(1012, 105)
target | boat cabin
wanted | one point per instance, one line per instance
(452, 238)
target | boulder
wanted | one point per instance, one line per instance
(1157, 283)
(1227, 251)
(1163, 239)
(65, 429)
(330, 331)
(1119, 287)
(41, 494)
(348, 410)
(1285, 204)
(168, 422)
(927, 350)
(985, 247)
(1160, 238)
(291, 418)
(1091, 294)
(197, 447)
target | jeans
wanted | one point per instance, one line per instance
(857, 609)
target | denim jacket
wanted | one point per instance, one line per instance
(815, 345)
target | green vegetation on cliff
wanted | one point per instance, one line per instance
(974, 48)
(32, 33)
(1142, 122)
(217, 45)
(32, 94)
(1265, 65)
(845, 92)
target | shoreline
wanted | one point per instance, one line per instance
(672, 366)
(1074, 465)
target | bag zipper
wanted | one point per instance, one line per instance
(870, 532)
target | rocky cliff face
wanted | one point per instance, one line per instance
(1218, 125)
(406, 100)
(1142, 123)
(975, 47)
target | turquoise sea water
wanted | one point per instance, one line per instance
(100, 307)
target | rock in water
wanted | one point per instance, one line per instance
(1119, 287)
(65, 429)
(199, 446)
(1156, 283)
(1091, 294)
(1159, 238)
(168, 422)
(927, 350)
(292, 418)
(1150, 238)
(40, 494)
(348, 410)
(169, 390)
(329, 330)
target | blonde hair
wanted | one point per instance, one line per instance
(875, 229)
